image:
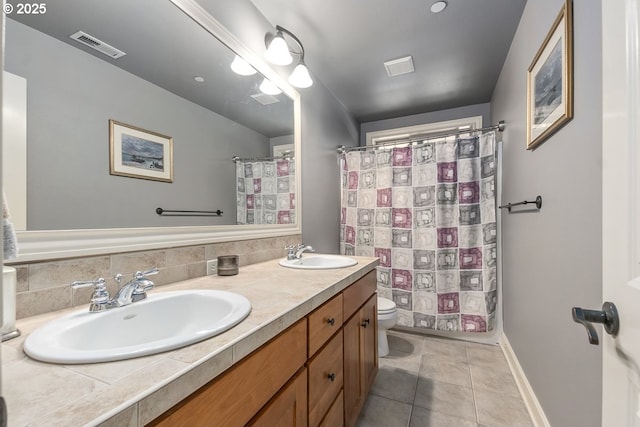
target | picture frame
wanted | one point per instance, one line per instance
(140, 153)
(550, 81)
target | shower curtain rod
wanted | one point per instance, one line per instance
(343, 149)
(287, 155)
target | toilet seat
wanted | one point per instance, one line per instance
(386, 306)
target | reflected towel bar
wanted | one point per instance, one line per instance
(167, 212)
(537, 201)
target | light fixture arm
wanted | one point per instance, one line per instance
(297, 40)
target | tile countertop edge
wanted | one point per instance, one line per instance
(263, 332)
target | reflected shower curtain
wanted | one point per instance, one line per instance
(429, 213)
(265, 192)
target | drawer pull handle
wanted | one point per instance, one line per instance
(331, 321)
(331, 376)
(366, 323)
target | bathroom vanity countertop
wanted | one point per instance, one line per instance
(134, 392)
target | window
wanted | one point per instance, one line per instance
(411, 133)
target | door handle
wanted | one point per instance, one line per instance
(608, 316)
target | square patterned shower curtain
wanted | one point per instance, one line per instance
(265, 192)
(429, 213)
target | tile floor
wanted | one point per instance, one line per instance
(437, 382)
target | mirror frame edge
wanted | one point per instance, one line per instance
(44, 245)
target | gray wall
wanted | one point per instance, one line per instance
(483, 110)
(71, 97)
(552, 258)
(325, 125)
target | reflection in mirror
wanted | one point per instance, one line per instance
(174, 80)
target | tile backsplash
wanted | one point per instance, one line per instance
(44, 286)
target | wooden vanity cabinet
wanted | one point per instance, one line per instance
(360, 349)
(318, 372)
(236, 396)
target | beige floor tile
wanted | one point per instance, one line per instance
(500, 410)
(404, 342)
(421, 417)
(395, 384)
(496, 380)
(453, 350)
(488, 356)
(458, 384)
(382, 412)
(408, 362)
(446, 370)
(448, 399)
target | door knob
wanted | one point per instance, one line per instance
(608, 316)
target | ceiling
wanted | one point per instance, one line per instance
(458, 54)
(169, 59)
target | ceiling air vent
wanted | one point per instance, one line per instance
(265, 99)
(399, 66)
(97, 44)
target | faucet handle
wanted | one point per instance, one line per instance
(100, 297)
(143, 274)
(99, 283)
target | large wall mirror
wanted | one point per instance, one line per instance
(110, 138)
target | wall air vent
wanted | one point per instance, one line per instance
(399, 66)
(265, 99)
(97, 44)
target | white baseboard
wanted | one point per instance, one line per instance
(530, 400)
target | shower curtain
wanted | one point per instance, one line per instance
(265, 192)
(428, 212)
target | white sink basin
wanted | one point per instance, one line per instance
(319, 262)
(161, 322)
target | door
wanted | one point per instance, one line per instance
(621, 213)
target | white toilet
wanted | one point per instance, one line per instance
(387, 316)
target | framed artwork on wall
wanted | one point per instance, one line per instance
(550, 81)
(139, 153)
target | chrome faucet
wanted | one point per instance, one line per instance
(296, 251)
(136, 289)
(302, 249)
(132, 291)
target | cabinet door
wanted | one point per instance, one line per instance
(288, 408)
(360, 359)
(353, 386)
(369, 349)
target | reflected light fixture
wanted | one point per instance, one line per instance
(278, 53)
(269, 88)
(438, 6)
(242, 67)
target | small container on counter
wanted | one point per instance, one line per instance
(228, 265)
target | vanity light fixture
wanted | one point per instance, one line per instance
(279, 53)
(269, 88)
(242, 67)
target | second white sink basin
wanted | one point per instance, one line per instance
(319, 262)
(161, 322)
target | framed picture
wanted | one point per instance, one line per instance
(550, 81)
(139, 153)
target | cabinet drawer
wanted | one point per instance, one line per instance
(356, 295)
(235, 397)
(325, 379)
(324, 322)
(335, 416)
